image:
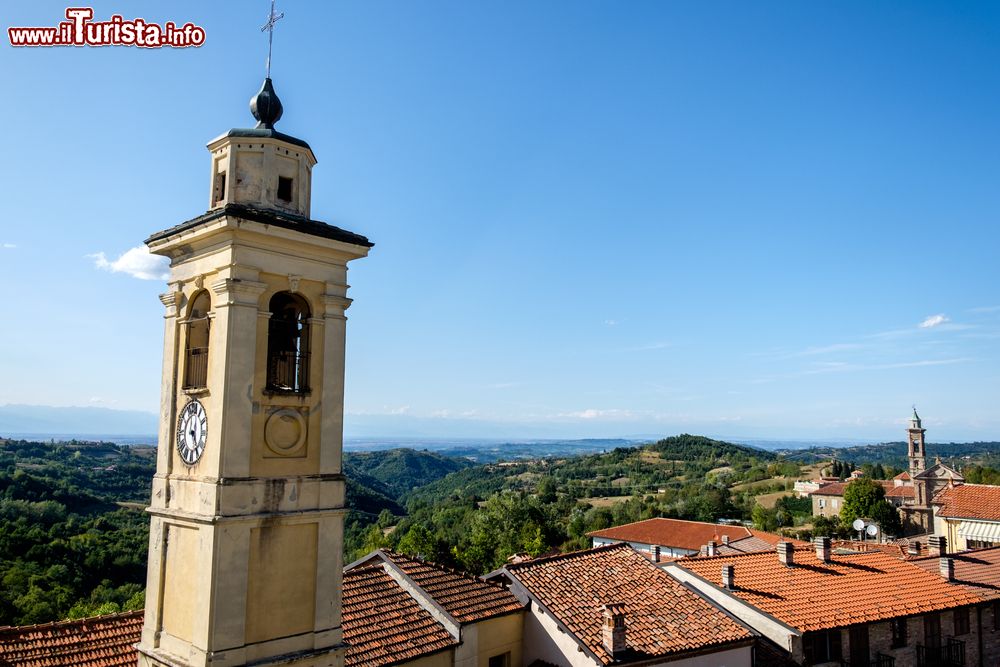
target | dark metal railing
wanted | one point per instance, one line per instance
(288, 371)
(949, 654)
(196, 368)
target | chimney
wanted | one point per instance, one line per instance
(947, 567)
(822, 549)
(725, 539)
(656, 553)
(786, 553)
(913, 549)
(712, 548)
(613, 628)
(937, 545)
(728, 577)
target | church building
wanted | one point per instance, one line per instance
(246, 532)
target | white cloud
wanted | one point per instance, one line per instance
(137, 262)
(610, 323)
(591, 413)
(8, 246)
(933, 321)
(445, 413)
(98, 400)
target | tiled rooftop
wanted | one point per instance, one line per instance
(896, 549)
(467, 598)
(900, 492)
(813, 595)
(746, 545)
(100, 641)
(383, 624)
(831, 489)
(970, 501)
(977, 570)
(662, 616)
(690, 535)
(757, 541)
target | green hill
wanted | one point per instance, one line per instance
(396, 472)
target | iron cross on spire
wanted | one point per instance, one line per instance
(269, 27)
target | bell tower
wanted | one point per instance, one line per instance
(915, 445)
(246, 527)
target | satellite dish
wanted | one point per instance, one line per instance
(858, 524)
(872, 530)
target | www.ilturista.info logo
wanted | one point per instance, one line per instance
(80, 30)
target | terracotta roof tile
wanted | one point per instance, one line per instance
(831, 489)
(662, 616)
(813, 595)
(897, 549)
(905, 476)
(978, 570)
(970, 501)
(467, 598)
(747, 545)
(383, 624)
(690, 535)
(99, 641)
(900, 492)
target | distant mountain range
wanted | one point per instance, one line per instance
(76, 422)
(43, 422)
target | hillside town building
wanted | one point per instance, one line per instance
(611, 605)
(820, 607)
(968, 515)
(912, 492)
(661, 538)
(398, 609)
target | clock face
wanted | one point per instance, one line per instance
(192, 430)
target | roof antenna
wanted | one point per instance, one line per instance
(268, 27)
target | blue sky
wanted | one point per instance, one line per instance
(591, 218)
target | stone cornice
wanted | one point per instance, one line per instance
(236, 291)
(172, 299)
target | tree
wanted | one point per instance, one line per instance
(547, 490)
(865, 498)
(764, 519)
(827, 526)
(419, 542)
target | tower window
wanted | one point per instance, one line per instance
(288, 344)
(284, 189)
(220, 188)
(196, 343)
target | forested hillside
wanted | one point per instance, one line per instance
(475, 518)
(73, 536)
(398, 471)
(955, 454)
(71, 544)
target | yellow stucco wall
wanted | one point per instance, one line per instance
(281, 599)
(180, 603)
(499, 635)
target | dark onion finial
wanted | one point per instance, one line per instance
(265, 106)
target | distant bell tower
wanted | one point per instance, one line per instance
(915, 445)
(246, 528)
